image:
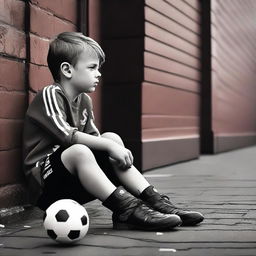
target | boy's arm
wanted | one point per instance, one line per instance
(48, 112)
(122, 155)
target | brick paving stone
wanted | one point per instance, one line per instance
(220, 186)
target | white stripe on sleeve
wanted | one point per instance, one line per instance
(45, 102)
(58, 109)
(53, 114)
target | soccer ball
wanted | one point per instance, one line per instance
(66, 221)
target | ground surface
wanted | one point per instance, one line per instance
(222, 187)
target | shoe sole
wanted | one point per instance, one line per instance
(192, 222)
(128, 226)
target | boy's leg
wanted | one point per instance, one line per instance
(131, 178)
(80, 161)
(139, 186)
(128, 211)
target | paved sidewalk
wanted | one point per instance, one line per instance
(223, 187)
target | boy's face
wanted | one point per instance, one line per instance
(85, 74)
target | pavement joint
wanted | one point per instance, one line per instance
(220, 186)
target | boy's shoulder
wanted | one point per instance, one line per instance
(54, 93)
(55, 89)
(46, 97)
(47, 91)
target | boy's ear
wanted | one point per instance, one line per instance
(66, 69)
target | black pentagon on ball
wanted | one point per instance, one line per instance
(74, 234)
(62, 216)
(51, 234)
(84, 220)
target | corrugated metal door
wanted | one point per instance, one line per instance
(171, 87)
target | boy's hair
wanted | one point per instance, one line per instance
(66, 47)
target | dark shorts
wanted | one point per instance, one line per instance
(59, 183)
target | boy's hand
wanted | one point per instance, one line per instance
(121, 155)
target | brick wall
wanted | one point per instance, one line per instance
(47, 18)
(25, 30)
(13, 99)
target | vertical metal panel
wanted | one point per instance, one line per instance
(206, 89)
(233, 73)
(171, 88)
(123, 41)
(92, 14)
(82, 16)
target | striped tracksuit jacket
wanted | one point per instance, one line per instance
(51, 121)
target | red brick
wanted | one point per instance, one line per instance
(38, 50)
(10, 134)
(12, 75)
(12, 41)
(39, 76)
(12, 12)
(11, 166)
(66, 9)
(46, 25)
(13, 105)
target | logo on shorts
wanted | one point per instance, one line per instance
(47, 173)
(47, 168)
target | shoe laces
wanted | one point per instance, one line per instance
(175, 209)
(145, 208)
(166, 200)
(149, 213)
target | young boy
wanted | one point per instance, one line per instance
(65, 156)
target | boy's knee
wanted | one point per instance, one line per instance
(113, 136)
(76, 153)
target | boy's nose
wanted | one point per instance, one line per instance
(98, 74)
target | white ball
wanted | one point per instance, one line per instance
(66, 221)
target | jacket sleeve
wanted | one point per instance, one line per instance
(48, 111)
